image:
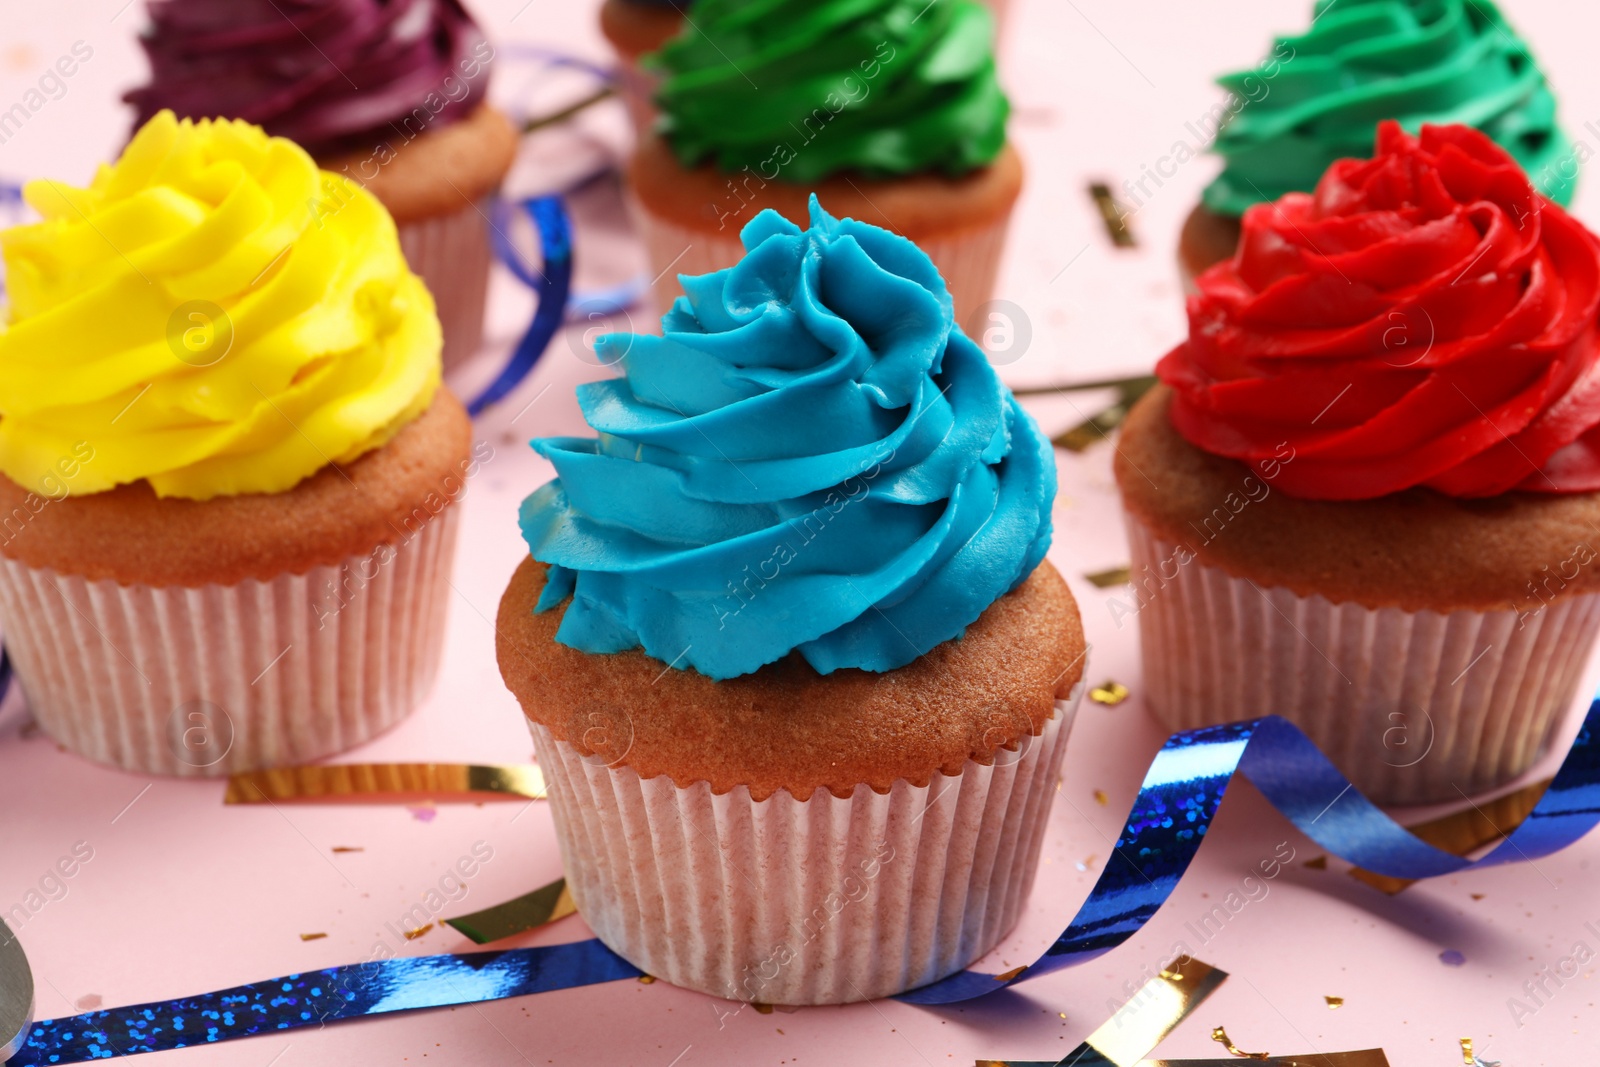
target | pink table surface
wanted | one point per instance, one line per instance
(184, 895)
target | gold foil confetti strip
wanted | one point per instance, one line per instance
(518, 915)
(1317, 863)
(1097, 427)
(1334, 1003)
(1137, 386)
(1100, 797)
(1111, 214)
(647, 979)
(412, 935)
(1368, 1057)
(1476, 896)
(1149, 1016)
(1463, 832)
(1091, 431)
(1220, 1036)
(1109, 693)
(764, 1009)
(385, 783)
(1109, 577)
(1472, 1059)
(1006, 976)
(347, 848)
(312, 937)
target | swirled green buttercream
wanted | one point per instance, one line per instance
(1319, 96)
(801, 89)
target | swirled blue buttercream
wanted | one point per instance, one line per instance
(812, 458)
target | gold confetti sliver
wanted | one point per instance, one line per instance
(412, 935)
(1009, 975)
(517, 915)
(1110, 577)
(1334, 1003)
(1096, 427)
(386, 783)
(1220, 1036)
(312, 937)
(1109, 693)
(1112, 215)
(1100, 797)
(1317, 863)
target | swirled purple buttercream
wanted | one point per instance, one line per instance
(332, 75)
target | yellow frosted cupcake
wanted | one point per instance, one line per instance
(226, 462)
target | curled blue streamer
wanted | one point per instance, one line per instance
(1175, 807)
(551, 285)
(314, 998)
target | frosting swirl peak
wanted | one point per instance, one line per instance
(1425, 319)
(1363, 61)
(330, 75)
(812, 458)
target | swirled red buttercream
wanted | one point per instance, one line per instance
(1424, 318)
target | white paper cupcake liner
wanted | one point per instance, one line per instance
(827, 900)
(968, 260)
(1413, 707)
(206, 681)
(452, 256)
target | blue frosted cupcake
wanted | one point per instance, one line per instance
(796, 669)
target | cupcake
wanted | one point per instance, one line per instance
(227, 466)
(1318, 98)
(797, 672)
(390, 95)
(886, 115)
(1364, 495)
(634, 29)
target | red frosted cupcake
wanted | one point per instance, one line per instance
(1365, 495)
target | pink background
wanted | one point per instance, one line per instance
(183, 895)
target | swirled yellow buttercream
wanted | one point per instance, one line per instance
(212, 314)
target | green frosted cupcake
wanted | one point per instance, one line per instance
(889, 109)
(1319, 96)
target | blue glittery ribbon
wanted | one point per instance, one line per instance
(376, 987)
(551, 283)
(1175, 807)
